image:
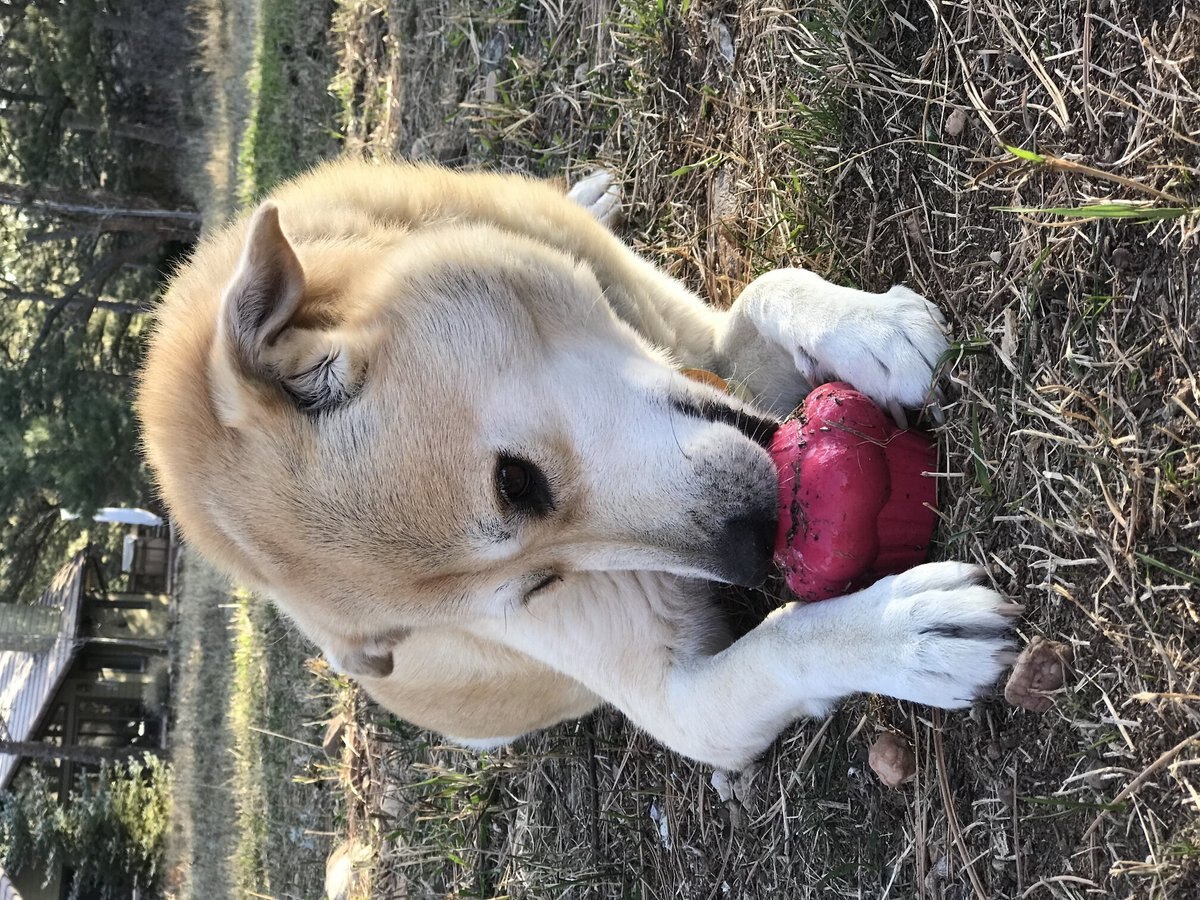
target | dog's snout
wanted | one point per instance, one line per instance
(745, 547)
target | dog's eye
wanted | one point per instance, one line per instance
(522, 485)
(513, 480)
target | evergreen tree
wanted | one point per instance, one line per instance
(92, 217)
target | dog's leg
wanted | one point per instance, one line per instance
(931, 635)
(791, 329)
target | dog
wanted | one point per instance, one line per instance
(439, 418)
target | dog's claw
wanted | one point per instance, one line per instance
(898, 414)
(935, 403)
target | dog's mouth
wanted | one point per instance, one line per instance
(742, 547)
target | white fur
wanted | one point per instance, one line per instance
(932, 635)
(600, 195)
(726, 708)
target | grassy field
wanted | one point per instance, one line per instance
(251, 813)
(872, 143)
(252, 816)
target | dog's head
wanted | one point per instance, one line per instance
(437, 427)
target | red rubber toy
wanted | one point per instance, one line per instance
(853, 502)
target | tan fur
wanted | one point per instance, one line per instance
(333, 385)
(341, 219)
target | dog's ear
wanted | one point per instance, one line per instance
(367, 658)
(262, 341)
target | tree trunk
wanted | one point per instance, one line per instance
(112, 304)
(96, 276)
(111, 212)
(87, 756)
(134, 131)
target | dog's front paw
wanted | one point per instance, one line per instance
(946, 637)
(886, 345)
(600, 194)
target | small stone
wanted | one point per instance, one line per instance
(723, 784)
(1122, 258)
(912, 224)
(1039, 671)
(956, 123)
(892, 759)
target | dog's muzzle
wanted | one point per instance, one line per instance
(744, 549)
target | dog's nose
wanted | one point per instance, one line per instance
(745, 548)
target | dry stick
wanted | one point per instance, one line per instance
(1087, 65)
(1147, 696)
(1034, 62)
(726, 852)
(1129, 789)
(1067, 165)
(968, 87)
(283, 737)
(922, 846)
(1016, 821)
(1077, 168)
(1058, 879)
(951, 814)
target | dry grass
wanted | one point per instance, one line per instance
(867, 141)
(201, 762)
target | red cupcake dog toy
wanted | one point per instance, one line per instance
(853, 503)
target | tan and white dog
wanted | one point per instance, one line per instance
(438, 417)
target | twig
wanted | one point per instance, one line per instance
(951, 814)
(284, 737)
(1078, 168)
(1159, 763)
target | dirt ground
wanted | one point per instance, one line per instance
(867, 141)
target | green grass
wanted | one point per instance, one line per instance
(247, 819)
(247, 705)
(1142, 212)
(280, 825)
(292, 109)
